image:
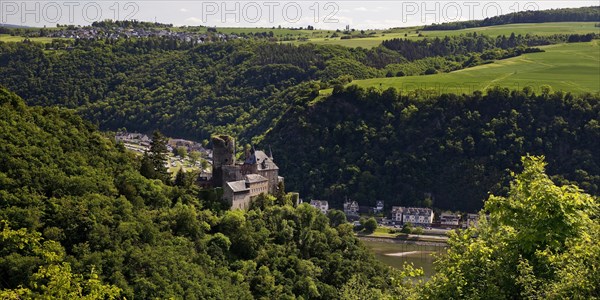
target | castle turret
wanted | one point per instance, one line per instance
(223, 156)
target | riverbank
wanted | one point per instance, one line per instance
(407, 239)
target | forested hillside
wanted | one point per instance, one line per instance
(372, 145)
(582, 14)
(78, 219)
(151, 84)
(236, 87)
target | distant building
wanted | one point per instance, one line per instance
(351, 208)
(397, 214)
(323, 206)
(239, 193)
(204, 179)
(413, 215)
(449, 219)
(379, 207)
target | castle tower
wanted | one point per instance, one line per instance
(223, 156)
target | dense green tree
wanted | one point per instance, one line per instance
(158, 155)
(147, 167)
(336, 217)
(181, 178)
(280, 195)
(181, 152)
(194, 156)
(263, 201)
(522, 251)
(369, 224)
(54, 278)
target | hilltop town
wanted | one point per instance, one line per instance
(114, 33)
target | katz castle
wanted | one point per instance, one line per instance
(242, 181)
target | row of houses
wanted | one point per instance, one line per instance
(351, 208)
(418, 216)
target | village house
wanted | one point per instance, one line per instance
(351, 208)
(323, 206)
(413, 215)
(449, 219)
(396, 216)
(378, 207)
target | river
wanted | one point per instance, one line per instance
(396, 253)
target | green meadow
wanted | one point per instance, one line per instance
(573, 67)
(279, 32)
(10, 38)
(413, 33)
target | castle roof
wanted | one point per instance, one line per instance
(264, 161)
(238, 186)
(253, 178)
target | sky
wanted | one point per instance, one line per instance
(357, 14)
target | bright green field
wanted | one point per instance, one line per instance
(538, 29)
(569, 67)
(9, 38)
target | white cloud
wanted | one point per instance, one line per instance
(193, 20)
(184, 10)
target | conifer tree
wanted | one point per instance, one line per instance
(155, 159)
(158, 155)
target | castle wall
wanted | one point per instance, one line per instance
(271, 175)
(232, 173)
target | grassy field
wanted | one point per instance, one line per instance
(413, 33)
(279, 32)
(9, 38)
(569, 67)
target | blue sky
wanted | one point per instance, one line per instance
(229, 13)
